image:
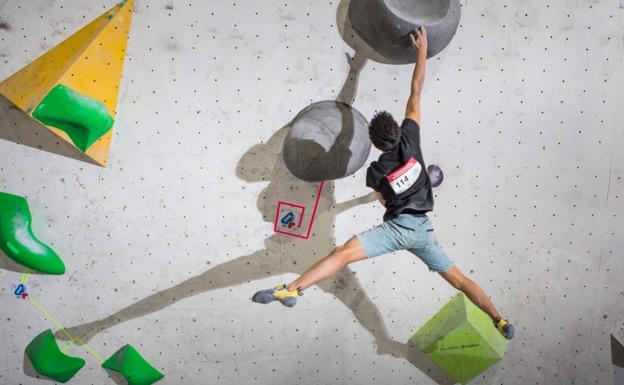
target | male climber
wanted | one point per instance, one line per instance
(402, 185)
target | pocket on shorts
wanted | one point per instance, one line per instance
(431, 238)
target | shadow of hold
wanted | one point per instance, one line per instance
(617, 352)
(18, 127)
(116, 377)
(422, 362)
(30, 371)
(351, 37)
(8, 264)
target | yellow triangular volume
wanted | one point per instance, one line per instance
(72, 89)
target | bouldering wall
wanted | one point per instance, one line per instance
(164, 247)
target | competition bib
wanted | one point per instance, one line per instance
(405, 176)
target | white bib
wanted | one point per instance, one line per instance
(405, 176)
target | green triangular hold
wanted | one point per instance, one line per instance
(133, 366)
(461, 339)
(84, 119)
(48, 360)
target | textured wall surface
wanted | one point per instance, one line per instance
(165, 246)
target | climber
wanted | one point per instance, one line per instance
(403, 187)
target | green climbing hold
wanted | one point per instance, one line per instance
(461, 339)
(83, 118)
(49, 361)
(17, 239)
(133, 366)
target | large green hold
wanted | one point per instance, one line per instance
(133, 366)
(48, 360)
(83, 118)
(461, 339)
(17, 239)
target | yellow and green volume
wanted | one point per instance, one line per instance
(83, 118)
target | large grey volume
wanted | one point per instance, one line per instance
(385, 25)
(328, 140)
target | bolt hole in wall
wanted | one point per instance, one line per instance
(153, 151)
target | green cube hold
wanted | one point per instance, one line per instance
(133, 366)
(49, 361)
(461, 339)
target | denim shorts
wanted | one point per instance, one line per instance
(406, 232)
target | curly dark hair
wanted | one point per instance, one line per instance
(383, 131)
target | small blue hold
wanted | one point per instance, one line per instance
(19, 290)
(288, 218)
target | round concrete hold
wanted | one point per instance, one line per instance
(328, 140)
(385, 25)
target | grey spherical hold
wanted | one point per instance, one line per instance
(385, 25)
(327, 140)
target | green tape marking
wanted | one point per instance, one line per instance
(25, 276)
(69, 345)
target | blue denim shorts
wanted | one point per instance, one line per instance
(406, 232)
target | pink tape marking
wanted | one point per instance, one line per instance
(279, 203)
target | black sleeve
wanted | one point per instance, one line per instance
(371, 180)
(410, 134)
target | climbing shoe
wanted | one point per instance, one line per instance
(505, 328)
(278, 293)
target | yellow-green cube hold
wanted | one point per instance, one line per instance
(461, 339)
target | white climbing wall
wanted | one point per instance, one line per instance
(523, 111)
